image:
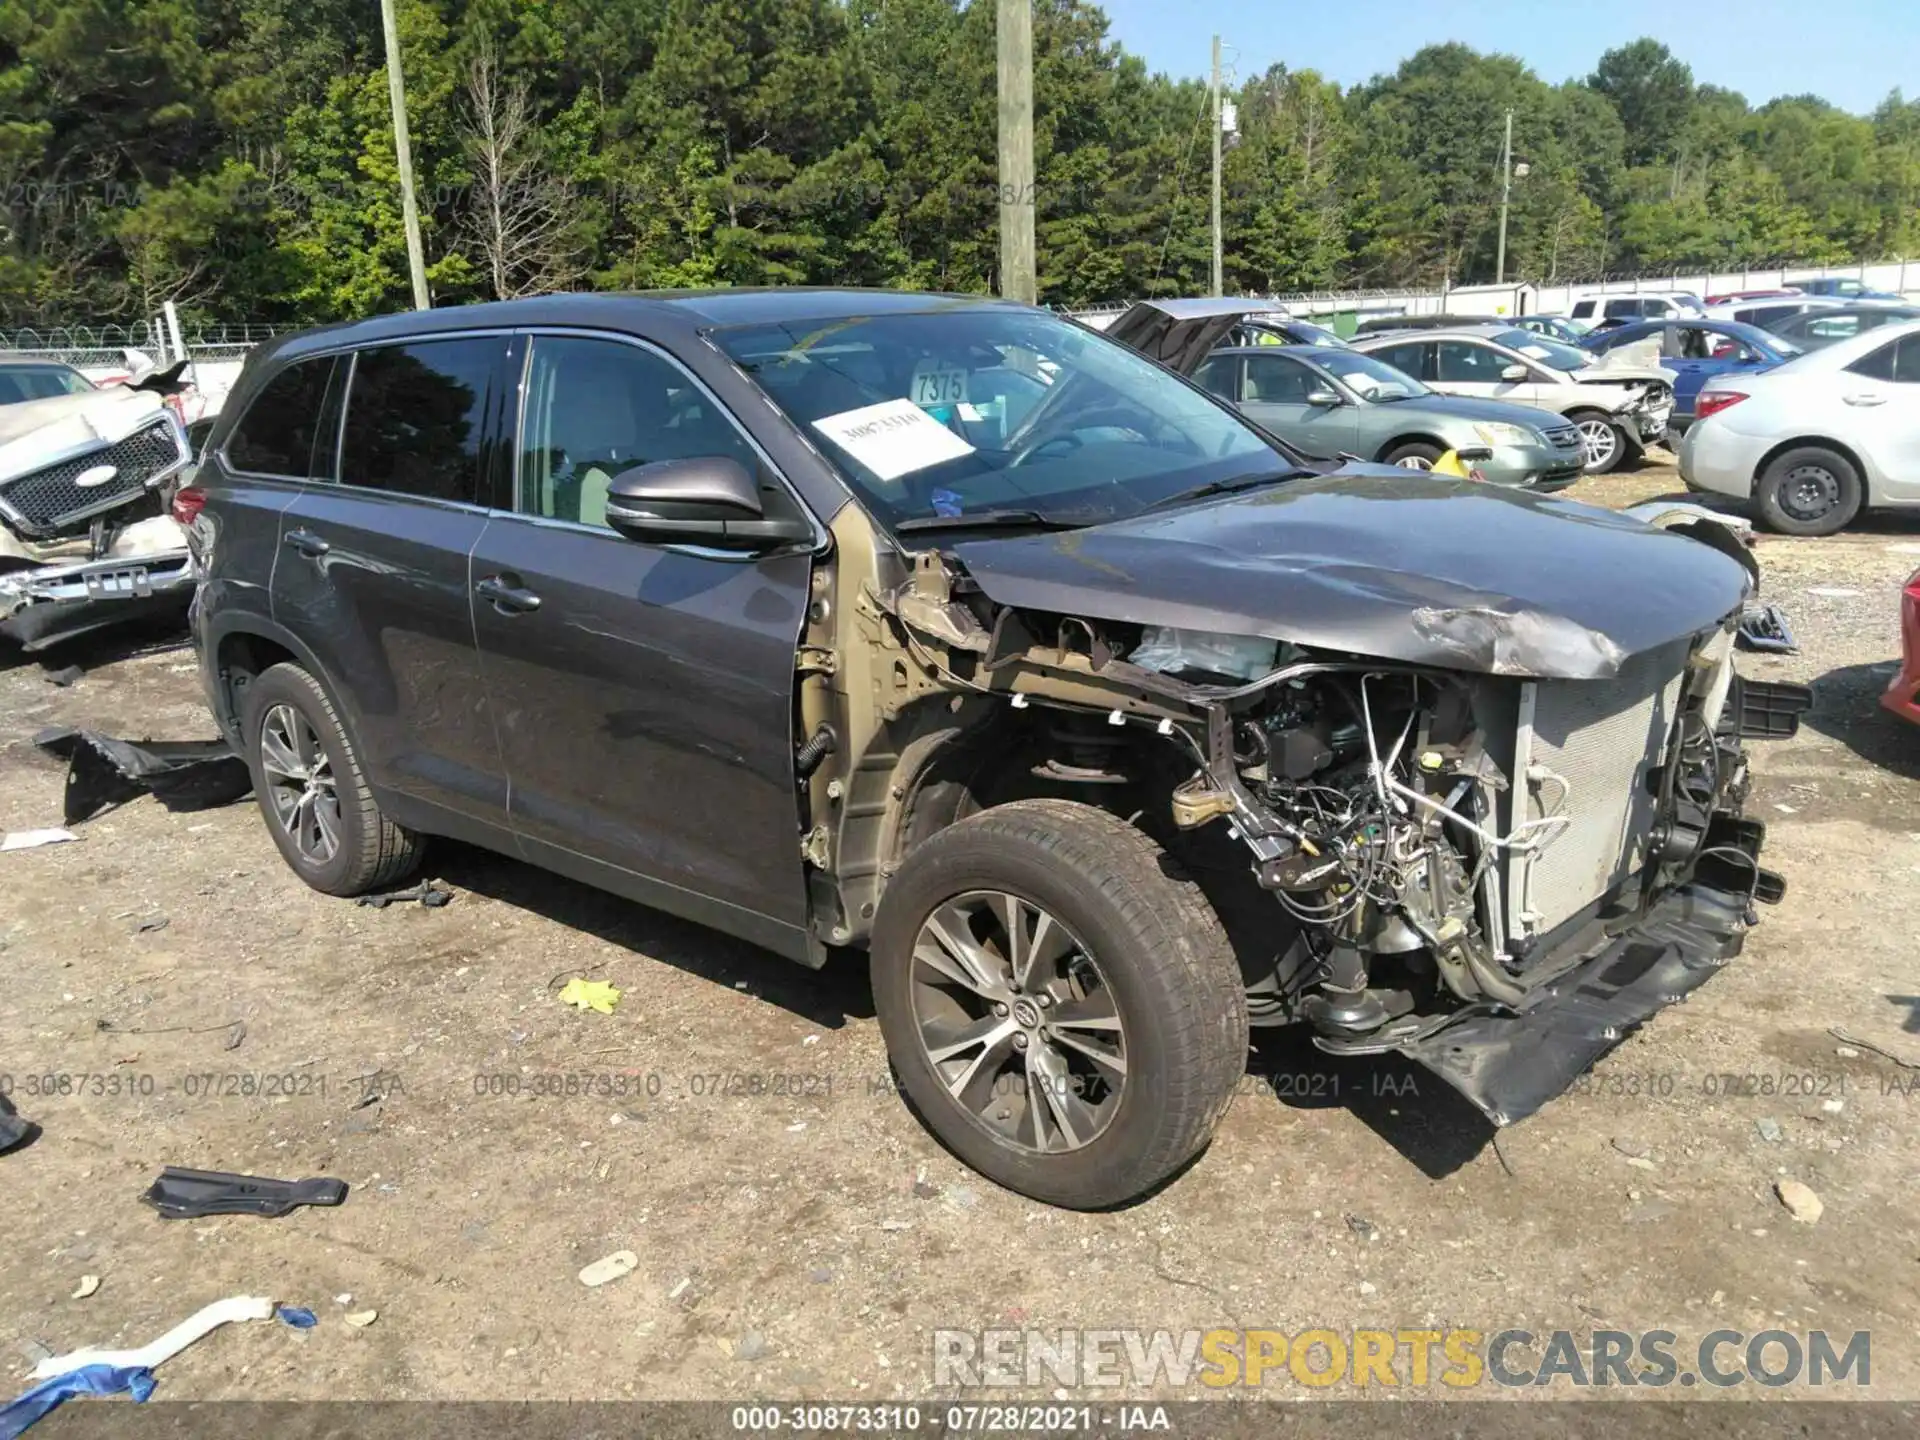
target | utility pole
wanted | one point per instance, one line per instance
(1017, 277)
(1506, 187)
(1214, 85)
(403, 154)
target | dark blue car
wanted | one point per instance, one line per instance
(1697, 350)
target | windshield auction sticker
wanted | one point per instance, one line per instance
(893, 438)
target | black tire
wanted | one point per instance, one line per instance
(1405, 452)
(1165, 965)
(371, 852)
(1809, 490)
(1623, 443)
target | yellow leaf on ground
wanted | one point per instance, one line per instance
(590, 995)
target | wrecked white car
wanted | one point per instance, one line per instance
(86, 539)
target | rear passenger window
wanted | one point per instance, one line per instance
(1216, 374)
(597, 407)
(416, 416)
(276, 435)
(1898, 362)
(1408, 358)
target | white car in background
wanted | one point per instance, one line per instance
(1814, 442)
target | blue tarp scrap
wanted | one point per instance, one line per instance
(47, 1396)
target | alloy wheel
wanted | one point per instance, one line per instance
(1600, 441)
(300, 783)
(1017, 1021)
(1414, 462)
(1808, 492)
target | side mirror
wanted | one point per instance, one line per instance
(1324, 396)
(1514, 372)
(701, 500)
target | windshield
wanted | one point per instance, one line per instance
(1371, 378)
(967, 409)
(1547, 352)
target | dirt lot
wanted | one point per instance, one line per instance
(802, 1237)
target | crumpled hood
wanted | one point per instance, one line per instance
(36, 432)
(1376, 562)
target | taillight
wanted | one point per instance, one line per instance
(1712, 402)
(1913, 587)
(188, 502)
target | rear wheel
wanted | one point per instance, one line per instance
(1809, 490)
(1062, 1008)
(312, 792)
(1605, 443)
(1413, 455)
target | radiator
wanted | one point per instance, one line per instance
(1589, 745)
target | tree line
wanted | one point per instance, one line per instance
(236, 157)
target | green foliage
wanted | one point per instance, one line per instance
(236, 156)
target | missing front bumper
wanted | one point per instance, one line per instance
(1509, 1063)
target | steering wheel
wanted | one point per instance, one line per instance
(1114, 415)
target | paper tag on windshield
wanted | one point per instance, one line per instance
(893, 438)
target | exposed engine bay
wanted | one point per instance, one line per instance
(1496, 869)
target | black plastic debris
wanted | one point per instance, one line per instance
(181, 1194)
(181, 774)
(13, 1129)
(1765, 628)
(431, 896)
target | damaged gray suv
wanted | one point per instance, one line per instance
(948, 628)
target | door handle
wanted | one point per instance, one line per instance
(1865, 399)
(509, 598)
(307, 543)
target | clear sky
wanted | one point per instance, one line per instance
(1851, 52)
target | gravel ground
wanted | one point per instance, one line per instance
(797, 1234)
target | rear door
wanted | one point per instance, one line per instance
(372, 573)
(644, 692)
(266, 460)
(1277, 391)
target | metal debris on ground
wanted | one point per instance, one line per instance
(181, 1194)
(103, 771)
(431, 896)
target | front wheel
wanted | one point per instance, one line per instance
(1605, 443)
(1413, 455)
(1062, 1008)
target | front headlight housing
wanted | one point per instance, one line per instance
(1496, 432)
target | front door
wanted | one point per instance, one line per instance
(644, 693)
(372, 572)
(1280, 395)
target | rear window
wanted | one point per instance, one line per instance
(276, 435)
(1410, 358)
(415, 417)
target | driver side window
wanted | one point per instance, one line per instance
(1277, 381)
(597, 407)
